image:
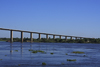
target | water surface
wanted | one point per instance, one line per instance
(17, 54)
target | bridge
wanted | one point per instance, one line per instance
(39, 35)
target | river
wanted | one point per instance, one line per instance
(17, 54)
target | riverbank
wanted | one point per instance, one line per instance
(57, 40)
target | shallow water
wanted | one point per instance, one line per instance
(17, 54)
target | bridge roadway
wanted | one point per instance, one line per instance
(31, 35)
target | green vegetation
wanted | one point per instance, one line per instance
(43, 63)
(30, 50)
(84, 55)
(51, 53)
(57, 40)
(78, 52)
(35, 51)
(62, 63)
(18, 64)
(16, 50)
(66, 54)
(0, 59)
(71, 59)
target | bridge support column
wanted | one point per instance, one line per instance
(39, 36)
(21, 36)
(31, 35)
(71, 38)
(47, 36)
(60, 36)
(66, 38)
(11, 36)
(76, 38)
(53, 36)
(80, 37)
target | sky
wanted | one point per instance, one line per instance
(64, 17)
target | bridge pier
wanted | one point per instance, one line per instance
(31, 37)
(47, 36)
(80, 37)
(22, 36)
(71, 38)
(76, 38)
(53, 36)
(60, 36)
(66, 38)
(39, 36)
(11, 36)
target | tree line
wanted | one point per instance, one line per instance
(57, 40)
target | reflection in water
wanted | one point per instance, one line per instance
(46, 48)
(12, 47)
(31, 49)
(11, 50)
(21, 50)
(39, 46)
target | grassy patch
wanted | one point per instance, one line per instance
(16, 50)
(43, 63)
(62, 63)
(71, 59)
(78, 52)
(66, 54)
(18, 64)
(51, 53)
(84, 55)
(30, 50)
(0, 59)
(35, 51)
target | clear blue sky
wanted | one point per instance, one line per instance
(66, 17)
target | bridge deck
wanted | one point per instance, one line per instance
(40, 33)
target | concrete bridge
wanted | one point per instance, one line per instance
(31, 35)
